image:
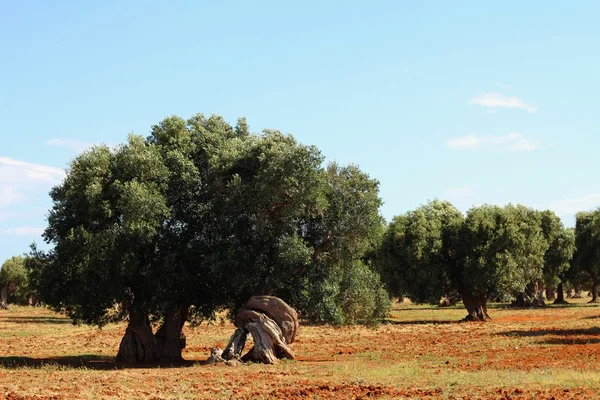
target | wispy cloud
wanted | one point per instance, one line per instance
(512, 142)
(571, 206)
(494, 100)
(24, 231)
(458, 193)
(18, 172)
(74, 145)
(9, 195)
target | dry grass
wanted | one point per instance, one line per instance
(423, 352)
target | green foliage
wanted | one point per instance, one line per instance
(504, 249)
(419, 252)
(205, 214)
(561, 246)
(434, 251)
(352, 295)
(13, 275)
(586, 260)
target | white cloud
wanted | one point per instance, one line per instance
(9, 195)
(495, 100)
(570, 207)
(512, 141)
(21, 172)
(24, 231)
(75, 145)
(458, 193)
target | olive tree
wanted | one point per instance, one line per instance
(13, 280)
(586, 260)
(197, 217)
(492, 252)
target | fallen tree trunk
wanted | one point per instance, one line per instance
(273, 325)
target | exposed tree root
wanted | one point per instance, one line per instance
(273, 325)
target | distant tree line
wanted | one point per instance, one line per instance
(200, 215)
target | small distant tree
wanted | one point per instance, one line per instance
(557, 260)
(586, 260)
(13, 281)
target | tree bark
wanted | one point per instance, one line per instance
(560, 295)
(273, 325)
(4, 298)
(139, 344)
(236, 344)
(170, 337)
(532, 296)
(269, 342)
(476, 306)
(284, 315)
(594, 293)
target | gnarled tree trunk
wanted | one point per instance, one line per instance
(594, 293)
(139, 344)
(170, 337)
(560, 295)
(532, 296)
(273, 325)
(4, 298)
(476, 306)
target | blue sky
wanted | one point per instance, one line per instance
(473, 102)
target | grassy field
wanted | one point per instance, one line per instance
(423, 352)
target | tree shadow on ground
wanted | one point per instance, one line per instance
(34, 320)
(552, 332)
(559, 336)
(424, 322)
(87, 361)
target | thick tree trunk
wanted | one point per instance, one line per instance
(532, 296)
(139, 344)
(550, 293)
(276, 309)
(476, 306)
(273, 325)
(560, 295)
(4, 298)
(269, 342)
(594, 293)
(170, 337)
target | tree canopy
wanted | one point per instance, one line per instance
(586, 260)
(200, 216)
(14, 281)
(492, 252)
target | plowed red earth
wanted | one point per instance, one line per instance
(422, 353)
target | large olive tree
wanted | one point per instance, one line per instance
(199, 216)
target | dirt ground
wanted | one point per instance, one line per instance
(422, 353)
